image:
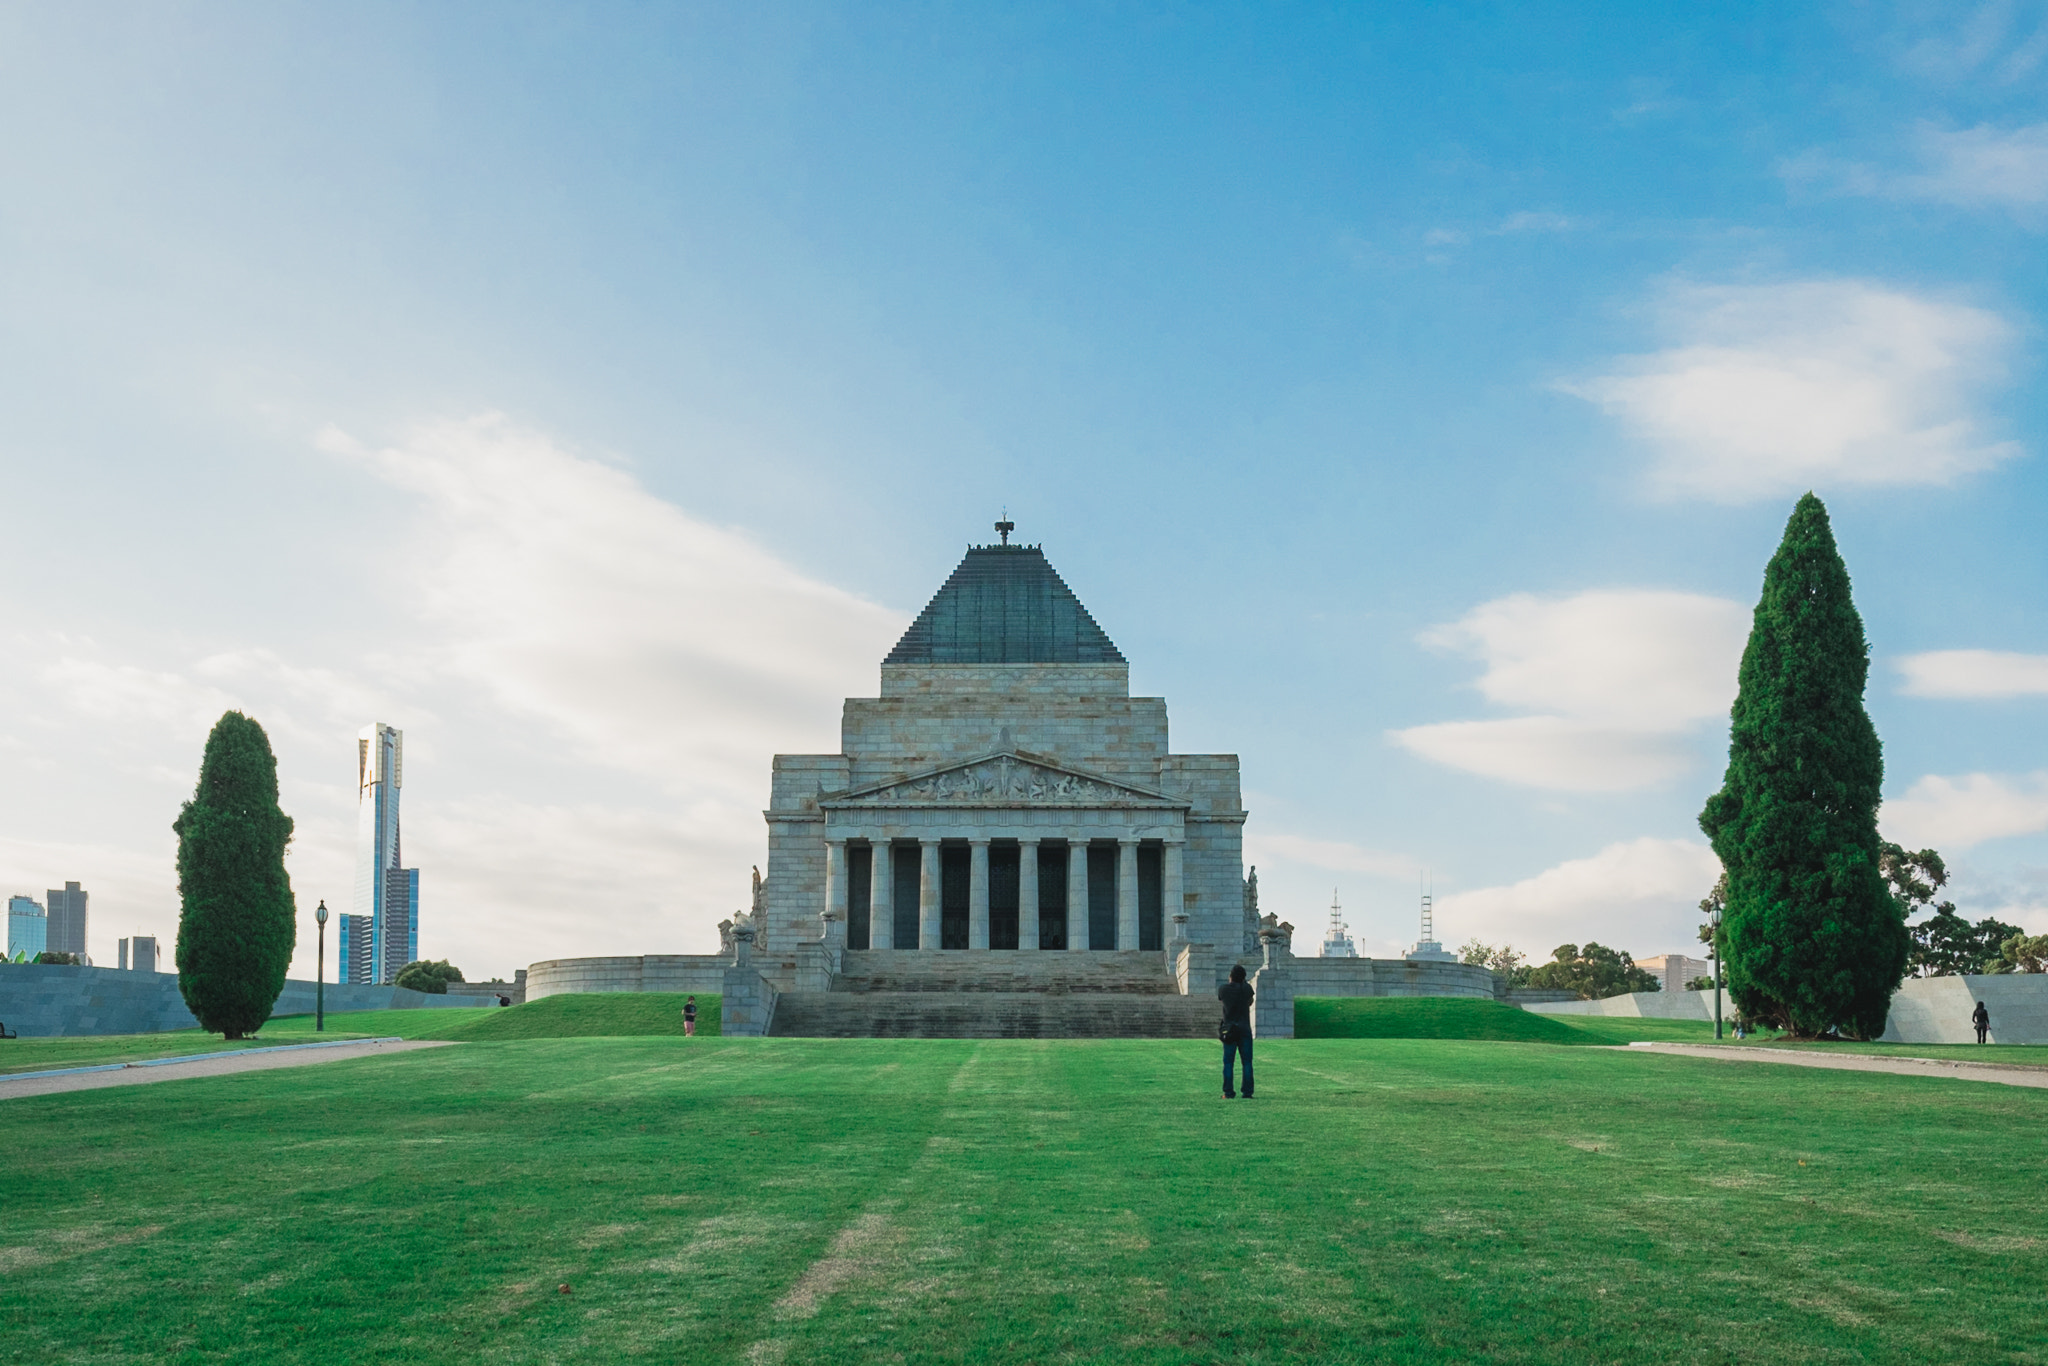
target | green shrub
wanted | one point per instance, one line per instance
(432, 978)
(237, 923)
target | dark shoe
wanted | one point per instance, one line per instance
(1247, 1095)
(1229, 1095)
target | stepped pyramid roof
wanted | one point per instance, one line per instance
(1005, 604)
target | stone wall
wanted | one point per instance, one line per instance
(45, 1000)
(1373, 976)
(1925, 1010)
(651, 972)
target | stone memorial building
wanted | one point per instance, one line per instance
(1005, 792)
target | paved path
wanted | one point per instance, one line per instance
(202, 1065)
(2009, 1074)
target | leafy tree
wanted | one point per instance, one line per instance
(239, 923)
(60, 959)
(432, 978)
(1700, 984)
(1945, 944)
(1813, 938)
(1593, 972)
(1507, 960)
(2022, 953)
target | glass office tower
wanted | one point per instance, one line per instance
(387, 893)
(28, 929)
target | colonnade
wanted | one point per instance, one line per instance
(882, 888)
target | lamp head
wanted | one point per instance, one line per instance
(320, 915)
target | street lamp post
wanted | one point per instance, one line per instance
(1717, 972)
(320, 974)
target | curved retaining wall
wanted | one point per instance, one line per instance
(1384, 977)
(649, 972)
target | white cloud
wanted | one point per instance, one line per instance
(1533, 221)
(1619, 679)
(1954, 813)
(1768, 390)
(1640, 895)
(654, 641)
(1335, 856)
(1980, 167)
(1974, 674)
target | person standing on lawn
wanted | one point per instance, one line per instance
(690, 1018)
(1236, 1029)
(1981, 1018)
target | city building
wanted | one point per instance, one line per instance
(67, 911)
(28, 928)
(1674, 970)
(141, 954)
(354, 961)
(387, 892)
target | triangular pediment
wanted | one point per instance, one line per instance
(1007, 777)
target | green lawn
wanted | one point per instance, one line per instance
(552, 1017)
(716, 1200)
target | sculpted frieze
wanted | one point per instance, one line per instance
(1004, 780)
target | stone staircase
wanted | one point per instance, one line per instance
(997, 994)
(982, 1014)
(1129, 973)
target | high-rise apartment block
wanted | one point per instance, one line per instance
(28, 929)
(67, 919)
(355, 964)
(141, 954)
(387, 893)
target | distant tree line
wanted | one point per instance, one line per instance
(1591, 973)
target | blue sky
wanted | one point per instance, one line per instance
(1414, 393)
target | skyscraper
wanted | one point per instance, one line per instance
(355, 965)
(67, 919)
(28, 929)
(387, 893)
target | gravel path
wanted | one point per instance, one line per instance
(2008, 1074)
(204, 1065)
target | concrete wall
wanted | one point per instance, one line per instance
(652, 972)
(1925, 1010)
(44, 1000)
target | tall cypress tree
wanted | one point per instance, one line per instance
(238, 924)
(1813, 936)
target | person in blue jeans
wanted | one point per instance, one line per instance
(1236, 1031)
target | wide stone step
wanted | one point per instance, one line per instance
(990, 1015)
(1000, 970)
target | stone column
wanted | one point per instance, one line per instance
(977, 893)
(1077, 895)
(928, 895)
(1172, 901)
(835, 877)
(1127, 892)
(881, 896)
(1027, 894)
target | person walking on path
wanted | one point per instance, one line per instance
(1981, 1018)
(1236, 1029)
(690, 1018)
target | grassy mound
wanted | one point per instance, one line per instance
(1423, 1017)
(1464, 1017)
(613, 1014)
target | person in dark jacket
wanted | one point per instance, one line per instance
(1236, 1033)
(1981, 1018)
